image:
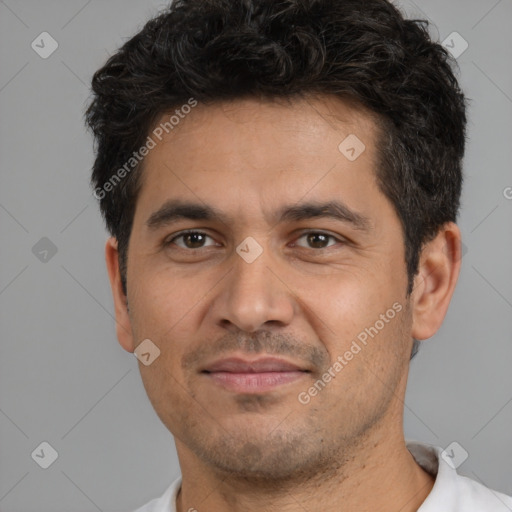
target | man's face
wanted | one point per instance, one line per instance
(302, 289)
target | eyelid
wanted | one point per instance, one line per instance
(337, 238)
(167, 241)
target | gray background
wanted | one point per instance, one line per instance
(63, 377)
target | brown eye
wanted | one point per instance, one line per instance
(317, 240)
(190, 240)
(193, 240)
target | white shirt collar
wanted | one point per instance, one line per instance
(453, 492)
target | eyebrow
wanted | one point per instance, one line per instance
(175, 209)
(333, 209)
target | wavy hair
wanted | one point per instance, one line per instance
(363, 51)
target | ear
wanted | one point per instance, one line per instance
(435, 281)
(123, 324)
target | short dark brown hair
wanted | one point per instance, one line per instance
(220, 50)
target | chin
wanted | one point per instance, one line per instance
(274, 459)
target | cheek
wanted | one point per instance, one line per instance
(367, 333)
(168, 318)
(171, 400)
(368, 359)
(163, 304)
(349, 304)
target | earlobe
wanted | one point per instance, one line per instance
(435, 281)
(123, 324)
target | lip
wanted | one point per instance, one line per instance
(257, 376)
(239, 365)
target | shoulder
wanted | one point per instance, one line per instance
(473, 495)
(166, 502)
(452, 491)
(149, 507)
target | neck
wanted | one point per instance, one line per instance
(380, 474)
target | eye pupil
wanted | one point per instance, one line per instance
(196, 239)
(314, 237)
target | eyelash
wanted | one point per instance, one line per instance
(184, 233)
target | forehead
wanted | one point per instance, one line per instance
(280, 149)
(308, 117)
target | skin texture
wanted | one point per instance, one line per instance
(304, 301)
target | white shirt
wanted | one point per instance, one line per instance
(451, 492)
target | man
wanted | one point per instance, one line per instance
(281, 180)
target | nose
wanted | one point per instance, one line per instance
(254, 296)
